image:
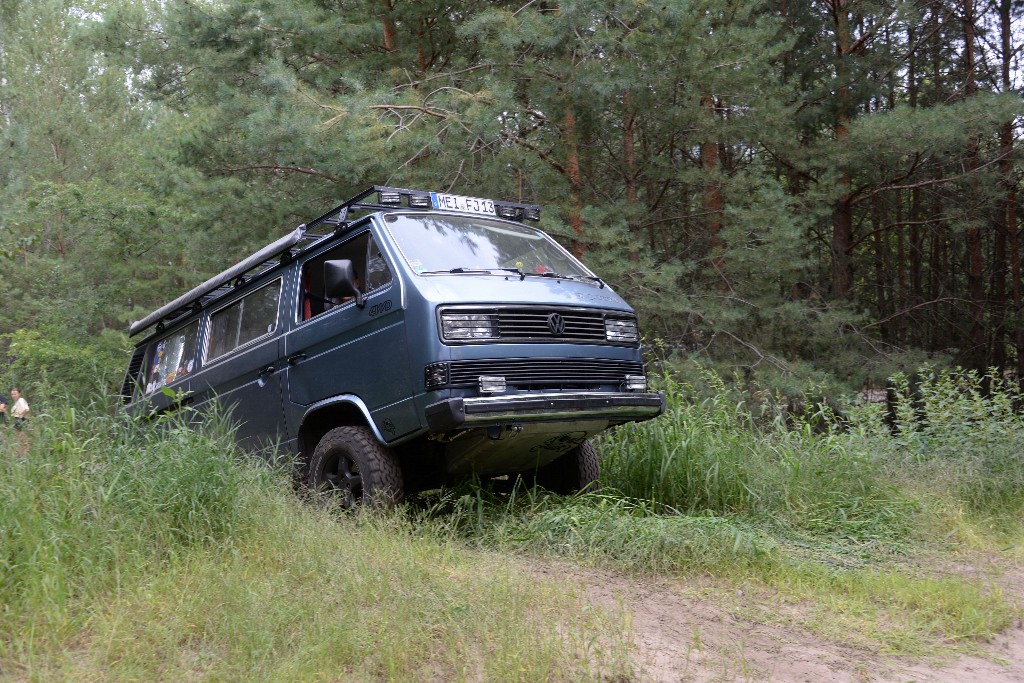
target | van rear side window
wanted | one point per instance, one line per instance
(171, 358)
(246, 320)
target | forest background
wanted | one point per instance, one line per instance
(822, 192)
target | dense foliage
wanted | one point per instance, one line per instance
(822, 189)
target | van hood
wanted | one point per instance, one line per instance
(510, 289)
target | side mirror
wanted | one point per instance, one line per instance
(340, 281)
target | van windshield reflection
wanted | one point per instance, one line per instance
(434, 244)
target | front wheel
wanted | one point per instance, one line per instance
(577, 470)
(351, 464)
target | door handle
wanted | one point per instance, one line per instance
(296, 359)
(269, 370)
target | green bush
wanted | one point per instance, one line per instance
(962, 431)
(57, 366)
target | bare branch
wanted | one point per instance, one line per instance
(278, 167)
(411, 107)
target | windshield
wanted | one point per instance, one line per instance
(445, 244)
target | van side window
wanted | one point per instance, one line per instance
(377, 272)
(171, 358)
(371, 272)
(246, 320)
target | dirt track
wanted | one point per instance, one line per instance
(680, 636)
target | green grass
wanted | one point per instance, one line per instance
(132, 551)
(844, 516)
(713, 456)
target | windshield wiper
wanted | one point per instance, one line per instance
(461, 269)
(572, 277)
(517, 271)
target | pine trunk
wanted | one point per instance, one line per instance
(842, 217)
(977, 356)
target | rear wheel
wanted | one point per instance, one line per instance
(351, 464)
(577, 470)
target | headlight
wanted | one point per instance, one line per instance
(619, 330)
(469, 326)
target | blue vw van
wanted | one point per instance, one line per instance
(401, 341)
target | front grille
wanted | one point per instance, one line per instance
(533, 325)
(547, 373)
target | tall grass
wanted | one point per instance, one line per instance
(835, 510)
(601, 528)
(152, 552)
(133, 551)
(712, 455)
(88, 501)
(962, 431)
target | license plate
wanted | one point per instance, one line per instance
(455, 202)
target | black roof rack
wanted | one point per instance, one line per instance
(336, 220)
(260, 262)
(388, 198)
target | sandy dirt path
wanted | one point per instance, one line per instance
(680, 636)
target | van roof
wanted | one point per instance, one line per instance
(306, 235)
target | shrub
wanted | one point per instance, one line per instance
(962, 431)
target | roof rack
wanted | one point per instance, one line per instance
(280, 251)
(263, 260)
(388, 198)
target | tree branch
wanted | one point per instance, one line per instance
(278, 167)
(411, 107)
(539, 152)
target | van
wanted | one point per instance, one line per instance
(400, 342)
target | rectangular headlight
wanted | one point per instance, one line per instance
(621, 330)
(504, 211)
(390, 197)
(457, 326)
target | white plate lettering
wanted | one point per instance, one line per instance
(455, 202)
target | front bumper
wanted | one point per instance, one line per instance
(457, 413)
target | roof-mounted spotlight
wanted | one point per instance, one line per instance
(390, 197)
(531, 213)
(419, 201)
(506, 211)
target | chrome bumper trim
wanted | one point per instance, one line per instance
(455, 413)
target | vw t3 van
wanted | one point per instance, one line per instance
(401, 341)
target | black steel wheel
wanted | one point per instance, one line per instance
(351, 464)
(576, 470)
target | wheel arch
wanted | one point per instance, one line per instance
(323, 416)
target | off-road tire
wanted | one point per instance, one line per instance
(577, 470)
(350, 464)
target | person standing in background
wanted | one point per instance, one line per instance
(3, 409)
(20, 409)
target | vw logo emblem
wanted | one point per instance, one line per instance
(556, 324)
